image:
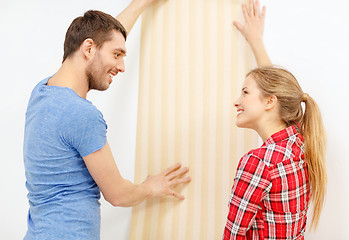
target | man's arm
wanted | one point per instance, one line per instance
(121, 192)
(131, 13)
(253, 29)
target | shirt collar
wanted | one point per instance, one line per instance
(283, 134)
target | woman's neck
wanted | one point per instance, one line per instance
(268, 130)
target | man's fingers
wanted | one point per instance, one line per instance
(177, 173)
(171, 169)
(176, 195)
(180, 181)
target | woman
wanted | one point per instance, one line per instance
(275, 183)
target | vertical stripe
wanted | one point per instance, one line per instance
(194, 161)
(205, 50)
(211, 34)
(225, 13)
(198, 121)
(155, 92)
(137, 221)
(184, 63)
(178, 99)
(171, 110)
(148, 224)
(161, 227)
(219, 123)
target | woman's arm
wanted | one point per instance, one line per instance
(131, 13)
(252, 182)
(253, 29)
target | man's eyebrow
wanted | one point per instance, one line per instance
(123, 51)
(244, 88)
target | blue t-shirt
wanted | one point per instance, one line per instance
(60, 129)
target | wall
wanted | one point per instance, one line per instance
(308, 37)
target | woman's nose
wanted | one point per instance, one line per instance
(236, 103)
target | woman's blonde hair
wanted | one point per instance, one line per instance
(274, 81)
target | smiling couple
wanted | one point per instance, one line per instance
(68, 161)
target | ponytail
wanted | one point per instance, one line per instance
(315, 146)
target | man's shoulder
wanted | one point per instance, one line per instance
(66, 100)
(80, 105)
(78, 118)
(81, 111)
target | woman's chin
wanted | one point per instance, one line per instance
(239, 124)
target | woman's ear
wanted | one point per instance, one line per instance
(271, 102)
(88, 48)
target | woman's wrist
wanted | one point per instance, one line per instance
(256, 43)
(141, 4)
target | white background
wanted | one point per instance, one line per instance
(307, 37)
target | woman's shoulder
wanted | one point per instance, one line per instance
(269, 154)
(254, 155)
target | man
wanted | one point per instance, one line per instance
(66, 154)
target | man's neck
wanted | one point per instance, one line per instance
(71, 75)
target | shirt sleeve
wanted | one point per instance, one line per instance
(251, 184)
(85, 131)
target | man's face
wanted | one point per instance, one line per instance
(107, 62)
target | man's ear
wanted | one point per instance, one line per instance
(88, 48)
(271, 102)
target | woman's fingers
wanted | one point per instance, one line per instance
(257, 8)
(264, 9)
(245, 12)
(239, 26)
(252, 10)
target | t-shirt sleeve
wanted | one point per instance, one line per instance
(85, 130)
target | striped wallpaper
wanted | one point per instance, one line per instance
(193, 63)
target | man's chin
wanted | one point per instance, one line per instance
(100, 88)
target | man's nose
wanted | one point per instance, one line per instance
(121, 66)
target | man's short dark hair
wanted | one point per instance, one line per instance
(96, 25)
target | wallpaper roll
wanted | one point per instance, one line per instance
(193, 63)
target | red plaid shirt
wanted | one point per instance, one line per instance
(271, 191)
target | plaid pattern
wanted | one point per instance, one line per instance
(271, 191)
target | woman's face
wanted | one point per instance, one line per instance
(250, 105)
